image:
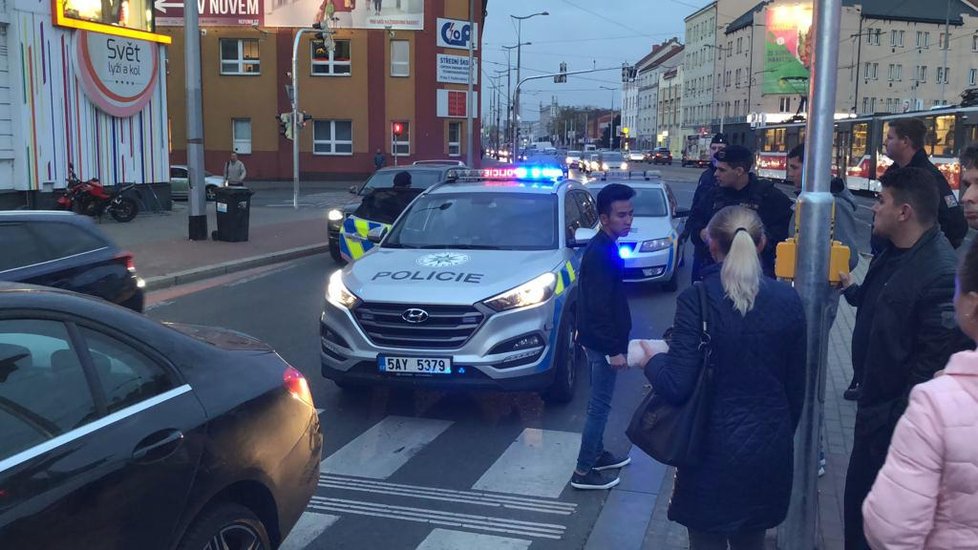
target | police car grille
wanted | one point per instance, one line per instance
(447, 327)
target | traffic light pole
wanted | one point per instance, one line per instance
(295, 113)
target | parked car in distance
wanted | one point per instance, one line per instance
(636, 155)
(180, 183)
(68, 251)
(121, 432)
(661, 155)
(439, 162)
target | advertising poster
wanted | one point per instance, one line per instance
(454, 69)
(788, 47)
(336, 14)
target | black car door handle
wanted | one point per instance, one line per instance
(158, 446)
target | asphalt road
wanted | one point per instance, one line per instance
(402, 468)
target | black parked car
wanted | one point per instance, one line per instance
(660, 155)
(119, 432)
(68, 251)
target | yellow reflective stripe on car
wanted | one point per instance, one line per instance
(354, 233)
(565, 278)
(362, 226)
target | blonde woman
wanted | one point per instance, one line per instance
(742, 483)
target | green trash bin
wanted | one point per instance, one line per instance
(233, 205)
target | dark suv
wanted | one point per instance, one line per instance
(65, 250)
(660, 155)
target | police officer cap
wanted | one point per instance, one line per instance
(719, 138)
(735, 153)
(402, 179)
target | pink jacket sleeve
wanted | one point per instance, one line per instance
(899, 511)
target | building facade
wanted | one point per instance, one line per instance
(648, 71)
(66, 101)
(670, 119)
(701, 31)
(408, 66)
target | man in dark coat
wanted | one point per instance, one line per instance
(707, 181)
(738, 186)
(905, 145)
(905, 329)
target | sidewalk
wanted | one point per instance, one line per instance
(840, 417)
(165, 256)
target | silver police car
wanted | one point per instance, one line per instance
(653, 249)
(474, 286)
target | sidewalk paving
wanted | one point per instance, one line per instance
(165, 256)
(840, 417)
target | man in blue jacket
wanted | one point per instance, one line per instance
(603, 321)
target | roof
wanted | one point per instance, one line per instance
(43, 215)
(499, 186)
(637, 183)
(747, 19)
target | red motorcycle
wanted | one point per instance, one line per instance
(91, 198)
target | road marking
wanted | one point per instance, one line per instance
(539, 463)
(492, 500)
(308, 529)
(255, 277)
(445, 539)
(378, 452)
(165, 296)
(436, 517)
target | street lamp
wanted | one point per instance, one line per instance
(723, 76)
(510, 111)
(519, 42)
(611, 124)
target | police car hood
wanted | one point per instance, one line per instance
(444, 276)
(649, 228)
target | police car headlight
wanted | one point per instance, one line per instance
(334, 215)
(537, 291)
(337, 292)
(655, 245)
(604, 166)
(624, 166)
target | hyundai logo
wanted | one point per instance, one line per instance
(415, 315)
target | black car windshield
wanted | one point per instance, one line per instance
(612, 156)
(487, 221)
(420, 179)
(648, 203)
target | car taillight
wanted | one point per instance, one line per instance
(127, 257)
(297, 386)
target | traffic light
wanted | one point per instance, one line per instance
(397, 129)
(285, 125)
(319, 50)
(303, 118)
(562, 77)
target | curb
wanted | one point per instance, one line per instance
(206, 272)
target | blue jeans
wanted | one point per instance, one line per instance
(603, 378)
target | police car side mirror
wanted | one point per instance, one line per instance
(376, 234)
(681, 213)
(582, 236)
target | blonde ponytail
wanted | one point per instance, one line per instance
(738, 232)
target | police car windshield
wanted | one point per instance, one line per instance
(648, 203)
(420, 179)
(488, 221)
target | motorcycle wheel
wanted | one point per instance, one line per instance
(124, 210)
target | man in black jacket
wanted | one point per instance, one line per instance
(738, 186)
(603, 321)
(707, 181)
(905, 145)
(905, 329)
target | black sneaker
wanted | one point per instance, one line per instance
(593, 480)
(853, 393)
(608, 461)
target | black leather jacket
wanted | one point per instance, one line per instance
(603, 318)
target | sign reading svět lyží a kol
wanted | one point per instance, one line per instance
(118, 74)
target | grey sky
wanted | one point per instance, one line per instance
(582, 33)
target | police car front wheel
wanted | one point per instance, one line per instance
(567, 361)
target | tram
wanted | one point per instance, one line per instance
(858, 148)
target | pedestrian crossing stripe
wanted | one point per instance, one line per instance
(565, 278)
(353, 237)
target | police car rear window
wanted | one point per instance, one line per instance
(420, 179)
(478, 221)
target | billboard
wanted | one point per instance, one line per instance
(788, 49)
(126, 18)
(454, 69)
(336, 14)
(455, 33)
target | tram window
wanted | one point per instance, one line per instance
(940, 136)
(858, 145)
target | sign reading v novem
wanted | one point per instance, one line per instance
(212, 12)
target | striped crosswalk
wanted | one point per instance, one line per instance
(512, 503)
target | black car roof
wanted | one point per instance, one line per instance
(44, 215)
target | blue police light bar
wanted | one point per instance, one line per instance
(512, 173)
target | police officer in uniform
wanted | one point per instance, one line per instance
(738, 186)
(708, 180)
(384, 205)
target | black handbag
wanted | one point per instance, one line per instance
(672, 434)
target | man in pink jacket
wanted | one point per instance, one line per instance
(926, 494)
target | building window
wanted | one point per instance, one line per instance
(865, 104)
(332, 137)
(972, 75)
(402, 146)
(241, 135)
(872, 104)
(729, 48)
(784, 104)
(331, 63)
(923, 39)
(896, 39)
(738, 78)
(740, 45)
(871, 71)
(974, 43)
(400, 58)
(873, 36)
(239, 56)
(945, 40)
(943, 73)
(896, 72)
(454, 139)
